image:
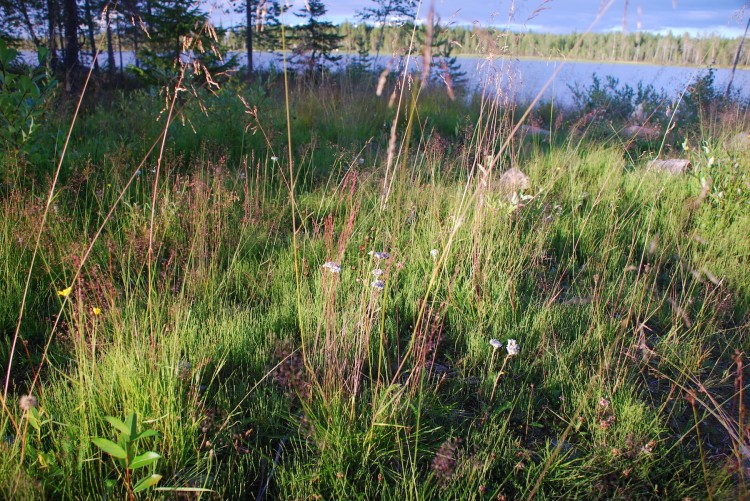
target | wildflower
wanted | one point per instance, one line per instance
(447, 459)
(512, 347)
(685, 145)
(96, 311)
(648, 448)
(434, 253)
(361, 161)
(606, 423)
(138, 172)
(274, 159)
(332, 267)
(378, 284)
(27, 402)
(65, 292)
(496, 344)
(377, 272)
(603, 402)
(379, 255)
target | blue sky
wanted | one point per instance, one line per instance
(724, 17)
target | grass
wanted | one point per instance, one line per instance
(627, 291)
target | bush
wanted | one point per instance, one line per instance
(24, 97)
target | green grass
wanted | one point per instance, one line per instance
(605, 277)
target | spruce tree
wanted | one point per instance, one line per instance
(316, 40)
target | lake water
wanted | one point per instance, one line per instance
(522, 79)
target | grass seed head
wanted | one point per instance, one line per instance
(27, 402)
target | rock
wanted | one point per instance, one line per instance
(641, 132)
(741, 140)
(514, 179)
(672, 166)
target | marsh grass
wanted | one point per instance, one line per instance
(267, 375)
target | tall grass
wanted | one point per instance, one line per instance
(200, 302)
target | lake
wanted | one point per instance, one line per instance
(523, 78)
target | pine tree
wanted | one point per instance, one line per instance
(385, 11)
(316, 40)
(261, 26)
(170, 23)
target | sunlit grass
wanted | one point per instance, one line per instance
(625, 290)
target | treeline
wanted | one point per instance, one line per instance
(611, 47)
(71, 31)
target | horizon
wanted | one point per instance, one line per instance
(725, 19)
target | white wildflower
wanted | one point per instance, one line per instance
(377, 272)
(434, 253)
(512, 347)
(332, 267)
(378, 284)
(379, 255)
(274, 159)
(27, 402)
(496, 344)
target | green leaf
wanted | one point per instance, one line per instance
(109, 447)
(132, 423)
(33, 417)
(119, 425)
(41, 55)
(144, 459)
(146, 434)
(146, 483)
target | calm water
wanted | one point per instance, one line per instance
(522, 79)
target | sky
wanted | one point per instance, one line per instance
(696, 17)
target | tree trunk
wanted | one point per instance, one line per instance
(92, 39)
(119, 44)
(249, 36)
(52, 23)
(70, 62)
(110, 48)
(736, 59)
(29, 24)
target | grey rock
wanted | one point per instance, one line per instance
(672, 166)
(514, 179)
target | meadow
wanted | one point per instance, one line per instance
(296, 288)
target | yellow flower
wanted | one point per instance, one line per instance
(97, 311)
(65, 292)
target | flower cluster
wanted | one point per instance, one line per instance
(377, 283)
(512, 347)
(332, 267)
